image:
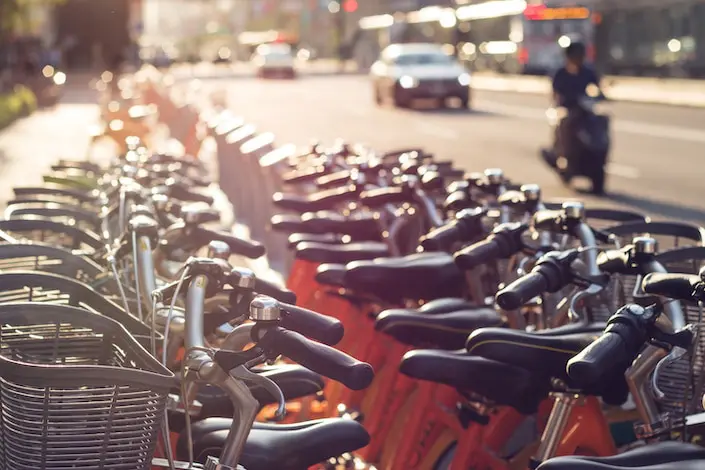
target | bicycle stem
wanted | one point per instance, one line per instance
(200, 363)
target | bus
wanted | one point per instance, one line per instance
(506, 36)
(510, 36)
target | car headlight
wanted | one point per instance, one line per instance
(464, 79)
(59, 78)
(408, 82)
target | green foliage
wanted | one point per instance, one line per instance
(14, 13)
(20, 102)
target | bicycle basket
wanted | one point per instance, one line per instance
(42, 287)
(46, 258)
(67, 213)
(675, 379)
(669, 236)
(77, 391)
(53, 233)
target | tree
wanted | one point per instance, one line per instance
(15, 15)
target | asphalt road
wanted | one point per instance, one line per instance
(656, 163)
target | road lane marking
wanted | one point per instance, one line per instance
(624, 171)
(619, 125)
(436, 131)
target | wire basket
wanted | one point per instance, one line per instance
(43, 287)
(669, 236)
(77, 391)
(46, 258)
(53, 233)
(84, 219)
(675, 381)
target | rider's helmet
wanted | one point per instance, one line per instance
(576, 51)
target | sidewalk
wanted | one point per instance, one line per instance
(31, 145)
(673, 92)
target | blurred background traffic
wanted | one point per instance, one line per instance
(663, 38)
(650, 54)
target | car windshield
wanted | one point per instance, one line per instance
(424, 59)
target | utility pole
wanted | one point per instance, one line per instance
(338, 18)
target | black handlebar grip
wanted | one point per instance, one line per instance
(320, 358)
(594, 362)
(314, 325)
(270, 289)
(247, 248)
(376, 198)
(478, 254)
(522, 290)
(163, 158)
(182, 193)
(674, 286)
(325, 199)
(299, 176)
(333, 180)
(441, 238)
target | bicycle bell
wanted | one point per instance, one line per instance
(645, 245)
(160, 201)
(574, 210)
(494, 176)
(243, 278)
(219, 250)
(531, 192)
(263, 308)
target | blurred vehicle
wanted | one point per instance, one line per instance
(405, 72)
(157, 56)
(588, 131)
(224, 56)
(274, 60)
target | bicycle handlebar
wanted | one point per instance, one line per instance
(182, 193)
(379, 197)
(320, 358)
(465, 227)
(687, 287)
(317, 326)
(505, 241)
(270, 289)
(247, 248)
(550, 274)
(625, 334)
(522, 290)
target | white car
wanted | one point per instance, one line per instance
(274, 60)
(405, 72)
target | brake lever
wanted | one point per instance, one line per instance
(521, 268)
(676, 353)
(591, 291)
(243, 373)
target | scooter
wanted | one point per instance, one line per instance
(590, 143)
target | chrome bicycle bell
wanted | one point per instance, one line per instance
(219, 250)
(264, 308)
(574, 210)
(243, 278)
(494, 175)
(531, 192)
(645, 245)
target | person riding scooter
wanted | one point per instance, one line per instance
(570, 87)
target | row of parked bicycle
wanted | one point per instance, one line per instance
(498, 329)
